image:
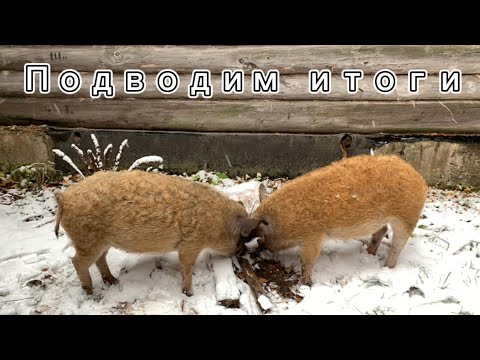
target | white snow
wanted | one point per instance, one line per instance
(436, 273)
(264, 302)
(228, 182)
(68, 160)
(201, 175)
(225, 279)
(145, 160)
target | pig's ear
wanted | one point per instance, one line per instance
(262, 192)
(247, 225)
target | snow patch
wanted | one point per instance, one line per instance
(225, 279)
(37, 276)
(264, 302)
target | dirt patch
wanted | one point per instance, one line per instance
(272, 275)
(230, 303)
(124, 308)
(275, 277)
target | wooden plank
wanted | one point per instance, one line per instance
(255, 285)
(226, 290)
(287, 59)
(292, 87)
(249, 116)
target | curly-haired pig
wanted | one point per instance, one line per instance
(141, 212)
(348, 199)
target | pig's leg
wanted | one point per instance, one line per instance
(82, 263)
(104, 269)
(188, 257)
(376, 239)
(310, 251)
(401, 233)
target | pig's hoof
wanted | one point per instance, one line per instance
(110, 280)
(390, 264)
(371, 251)
(307, 282)
(88, 290)
(187, 292)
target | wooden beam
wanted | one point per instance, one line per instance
(287, 59)
(319, 117)
(226, 289)
(254, 283)
(292, 87)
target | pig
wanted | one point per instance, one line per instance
(142, 212)
(349, 199)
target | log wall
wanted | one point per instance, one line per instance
(293, 110)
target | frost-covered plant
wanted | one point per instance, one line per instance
(214, 178)
(101, 160)
(36, 174)
(146, 160)
(465, 188)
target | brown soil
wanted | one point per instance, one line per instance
(273, 276)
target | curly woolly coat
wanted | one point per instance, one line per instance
(349, 199)
(143, 212)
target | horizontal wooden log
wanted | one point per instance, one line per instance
(248, 116)
(292, 87)
(287, 59)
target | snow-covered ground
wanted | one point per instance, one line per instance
(436, 273)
